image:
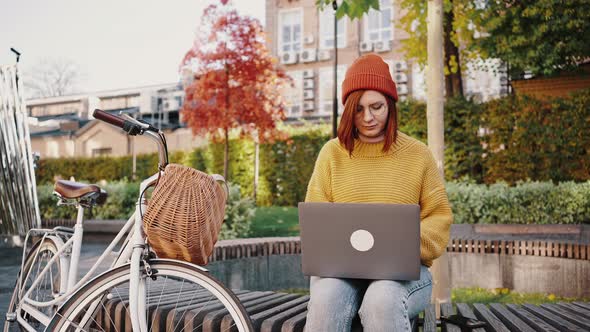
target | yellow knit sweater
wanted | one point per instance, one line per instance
(406, 174)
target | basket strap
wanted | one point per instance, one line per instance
(220, 178)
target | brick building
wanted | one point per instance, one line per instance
(301, 37)
(560, 85)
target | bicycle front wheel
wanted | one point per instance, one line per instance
(179, 297)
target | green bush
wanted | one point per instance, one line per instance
(239, 213)
(525, 203)
(540, 140)
(120, 203)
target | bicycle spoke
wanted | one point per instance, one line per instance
(158, 305)
(121, 298)
(198, 312)
(184, 313)
(71, 321)
(178, 298)
(229, 328)
(108, 315)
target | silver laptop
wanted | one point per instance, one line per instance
(360, 240)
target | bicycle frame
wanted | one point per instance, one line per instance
(132, 249)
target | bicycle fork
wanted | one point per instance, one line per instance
(137, 287)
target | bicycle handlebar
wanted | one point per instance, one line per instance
(133, 127)
(109, 118)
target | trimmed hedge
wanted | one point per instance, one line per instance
(526, 139)
(525, 203)
(538, 140)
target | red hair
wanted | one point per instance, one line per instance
(347, 131)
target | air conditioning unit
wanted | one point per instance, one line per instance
(402, 89)
(366, 46)
(289, 58)
(294, 110)
(170, 104)
(308, 73)
(307, 94)
(382, 46)
(308, 84)
(308, 106)
(400, 78)
(324, 55)
(400, 66)
(308, 39)
(309, 55)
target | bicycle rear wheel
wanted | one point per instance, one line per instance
(49, 286)
(179, 297)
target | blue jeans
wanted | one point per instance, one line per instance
(383, 305)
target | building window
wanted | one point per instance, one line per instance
(294, 95)
(290, 30)
(378, 24)
(327, 89)
(327, 29)
(101, 152)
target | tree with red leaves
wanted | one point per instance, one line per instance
(236, 80)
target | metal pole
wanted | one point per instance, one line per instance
(335, 100)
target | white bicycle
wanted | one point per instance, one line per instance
(134, 292)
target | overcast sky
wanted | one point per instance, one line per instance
(115, 43)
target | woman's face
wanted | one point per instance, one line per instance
(371, 117)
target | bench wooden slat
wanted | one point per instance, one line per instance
(534, 321)
(466, 311)
(575, 309)
(159, 309)
(582, 305)
(429, 324)
(552, 319)
(578, 320)
(493, 323)
(274, 323)
(446, 309)
(196, 316)
(176, 315)
(227, 322)
(512, 322)
(258, 319)
(295, 324)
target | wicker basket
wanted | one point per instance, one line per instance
(184, 215)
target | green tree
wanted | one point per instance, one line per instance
(541, 36)
(458, 29)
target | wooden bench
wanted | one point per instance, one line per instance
(282, 312)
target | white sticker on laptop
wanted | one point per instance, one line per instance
(362, 240)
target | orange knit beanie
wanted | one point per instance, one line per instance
(368, 72)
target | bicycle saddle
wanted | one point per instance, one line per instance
(76, 190)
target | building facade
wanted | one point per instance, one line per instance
(302, 38)
(64, 127)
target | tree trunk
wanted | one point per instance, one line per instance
(226, 156)
(226, 130)
(453, 81)
(441, 290)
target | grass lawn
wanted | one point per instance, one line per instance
(481, 295)
(505, 295)
(275, 221)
